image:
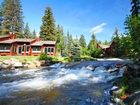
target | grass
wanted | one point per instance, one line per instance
(20, 58)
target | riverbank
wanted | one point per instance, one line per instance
(126, 90)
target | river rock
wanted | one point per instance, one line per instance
(7, 62)
(6, 66)
(31, 64)
(37, 63)
(113, 70)
(90, 67)
(17, 64)
(119, 65)
(100, 68)
(133, 99)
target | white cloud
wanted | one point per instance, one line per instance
(98, 28)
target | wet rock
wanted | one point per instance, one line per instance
(113, 70)
(100, 68)
(7, 62)
(133, 99)
(90, 67)
(119, 65)
(37, 63)
(17, 64)
(6, 66)
(43, 63)
(115, 95)
(31, 64)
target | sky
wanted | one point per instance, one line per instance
(80, 16)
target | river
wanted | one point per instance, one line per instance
(86, 83)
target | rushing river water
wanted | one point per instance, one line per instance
(86, 83)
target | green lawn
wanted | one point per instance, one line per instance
(20, 58)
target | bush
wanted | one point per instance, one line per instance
(43, 56)
(96, 53)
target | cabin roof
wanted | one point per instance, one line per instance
(40, 43)
(3, 36)
(17, 40)
(104, 46)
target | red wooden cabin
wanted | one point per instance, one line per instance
(10, 45)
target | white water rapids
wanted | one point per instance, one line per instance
(85, 74)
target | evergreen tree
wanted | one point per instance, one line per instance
(60, 39)
(48, 31)
(69, 43)
(34, 34)
(82, 41)
(92, 47)
(105, 43)
(1, 18)
(65, 50)
(13, 19)
(116, 39)
(133, 25)
(26, 32)
(135, 10)
(75, 49)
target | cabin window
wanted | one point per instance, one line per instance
(4, 47)
(49, 49)
(36, 48)
(27, 48)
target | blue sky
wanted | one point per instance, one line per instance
(80, 16)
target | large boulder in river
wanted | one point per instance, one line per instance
(100, 68)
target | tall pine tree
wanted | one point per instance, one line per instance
(133, 25)
(135, 10)
(60, 39)
(13, 18)
(48, 31)
(26, 31)
(82, 41)
(1, 18)
(33, 34)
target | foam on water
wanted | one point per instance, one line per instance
(56, 77)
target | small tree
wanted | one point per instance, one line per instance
(92, 47)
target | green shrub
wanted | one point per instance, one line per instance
(43, 56)
(68, 59)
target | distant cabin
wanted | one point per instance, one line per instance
(12, 46)
(108, 50)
